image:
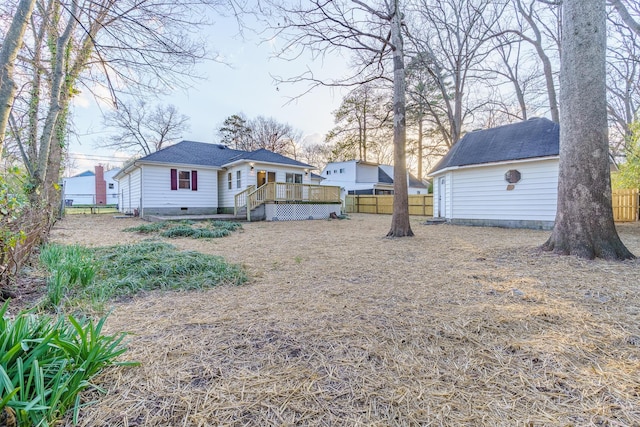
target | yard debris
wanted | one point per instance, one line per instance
(373, 331)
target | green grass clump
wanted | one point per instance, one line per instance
(45, 363)
(152, 227)
(188, 228)
(69, 266)
(125, 270)
(179, 231)
(154, 265)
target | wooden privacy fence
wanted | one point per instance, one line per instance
(625, 205)
(419, 204)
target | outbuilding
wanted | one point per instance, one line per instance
(505, 176)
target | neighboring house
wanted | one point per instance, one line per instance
(196, 178)
(91, 188)
(358, 177)
(316, 179)
(506, 176)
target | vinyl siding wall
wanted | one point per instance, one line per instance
(129, 192)
(159, 198)
(481, 192)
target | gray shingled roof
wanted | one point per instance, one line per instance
(200, 153)
(537, 137)
(383, 177)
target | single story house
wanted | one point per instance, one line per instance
(91, 188)
(196, 178)
(506, 176)
(359, 178)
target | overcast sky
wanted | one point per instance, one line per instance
(245, 85)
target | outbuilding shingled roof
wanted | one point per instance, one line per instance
(217, 155)
(537, 137)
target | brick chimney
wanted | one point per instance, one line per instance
(101, 186)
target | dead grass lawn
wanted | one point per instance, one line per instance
(458, 326)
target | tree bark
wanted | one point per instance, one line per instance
(400, 225)
(584, 223)
(8, 54)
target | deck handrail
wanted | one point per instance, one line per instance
(240, 199)
(290, 192)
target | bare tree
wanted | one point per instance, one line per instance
(8, 54)
(623, 80)
(124, 45)
(516, 78)
(426, 113)
(142, 128)
(372, 33)
(268, 133)
(584, 220)
(452, 43)
(362, 122)
(625, 12)
(537, 23)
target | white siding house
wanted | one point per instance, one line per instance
(358, 177)
(91, 188)
(195, 178)
(506, 176)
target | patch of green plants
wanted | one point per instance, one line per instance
(45, 363)
(188, 228)
(151, 227)
(125, 270)
(69, 267)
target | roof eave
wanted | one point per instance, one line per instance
(189, 165)
(477, 165)
(303, 166)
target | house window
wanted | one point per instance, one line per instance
(229, 181)
(238, 179)
(111, 186)
(328, 172)
(294, 178)
(341, 170)
(184, 179)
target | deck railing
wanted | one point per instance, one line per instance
(288, 192)
(240, 200)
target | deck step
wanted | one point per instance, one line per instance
(435, 221)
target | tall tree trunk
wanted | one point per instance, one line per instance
(584, 220)
(420, 148)
(400, 226)
(8, 54)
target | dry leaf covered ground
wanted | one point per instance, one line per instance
(457, 326)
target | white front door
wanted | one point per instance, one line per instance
(442, 211)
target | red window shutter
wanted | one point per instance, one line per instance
(174, 179)
(194, 180)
